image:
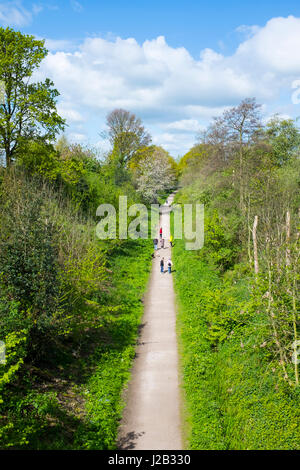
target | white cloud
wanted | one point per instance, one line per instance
(247, 30)
(275, 47)
(187, 125)
(152, 78)
(13, 13)
(279, 115)
(77, 7)
(59, 44)
(171, 91)
(176, 144)
(36, 8)
(70, 114)
(76, 137)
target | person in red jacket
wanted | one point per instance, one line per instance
(160, 232)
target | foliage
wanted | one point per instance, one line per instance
(190, 163)
(70, 304)
(103, 390)
(284, 139)
(154, 175)
(219, 249)
(15, 350)
(79, 300)
(29, 110)
(14, 353)
(28, 258)
(78, 403)
(36, 156)
(126, 134)
(235, 398)
(239, 326)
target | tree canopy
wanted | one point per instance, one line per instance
(126, 134)
(29, 109)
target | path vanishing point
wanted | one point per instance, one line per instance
(151, 418)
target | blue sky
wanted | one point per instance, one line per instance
(189, 23)
(175, 64)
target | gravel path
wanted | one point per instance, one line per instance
(151, 419)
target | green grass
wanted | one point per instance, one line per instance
(233, 399)
(104, 405)
(75, 400)
(202, 412)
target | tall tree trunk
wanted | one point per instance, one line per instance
(241, 179)
(8, 157)
(256, 267)
(288, 235)
(249, 230)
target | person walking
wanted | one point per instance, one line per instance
(160, 232)
(155, 242)
(162, 265)
(162, 243)
(171, 241)
(169, 266)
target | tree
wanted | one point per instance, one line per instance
(193, 161)
(284, 137)
(29, 109)
(243, 121)
(233, 132)
(126, 134)
(39, 157)
(139, 156)
(155, 174)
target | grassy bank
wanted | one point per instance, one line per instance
(234, 399)
(74, 400)
(131, 266)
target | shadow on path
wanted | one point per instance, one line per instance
(129, 441)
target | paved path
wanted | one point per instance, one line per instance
(151, 419)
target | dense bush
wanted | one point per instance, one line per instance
(28, 259)
(70, 307)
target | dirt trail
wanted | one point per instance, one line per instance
(151, 419)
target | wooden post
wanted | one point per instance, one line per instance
(256, 268)
(288, 234)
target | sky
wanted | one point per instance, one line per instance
(175, 64)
